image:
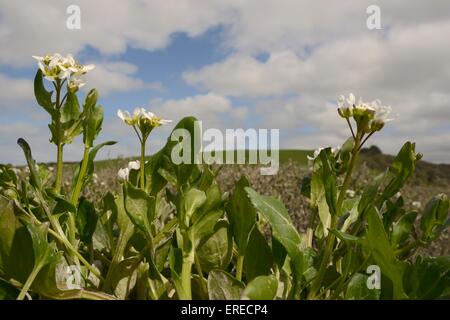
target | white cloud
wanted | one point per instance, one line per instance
(289, 58)
(213, 109)
(118, 77)
(14, 90)
(34, 27)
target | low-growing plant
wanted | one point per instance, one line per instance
(171, 233)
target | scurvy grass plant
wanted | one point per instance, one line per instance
(172, 234)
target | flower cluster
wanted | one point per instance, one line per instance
(146, 121)
(369, 116)
(57, 67)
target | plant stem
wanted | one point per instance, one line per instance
(142, 165)
(59, 166)
(59, 144)
(186, 269)
(69, 246)
(408, 247)
(29, 282)
(200, 273)
(331, 237)
(239, 267)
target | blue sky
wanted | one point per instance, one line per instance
(235, 64)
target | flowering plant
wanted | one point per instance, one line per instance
(171, 233)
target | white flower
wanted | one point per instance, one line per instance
(316, 154)
(350, 193)
(345, 105)
(126, 117)
(123, 174)
(144, 119)
(134, 165)
(381, 112)
(334, 151)
(75, 84)
(58, 67)
(417, 204)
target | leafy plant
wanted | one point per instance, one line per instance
(171, 233)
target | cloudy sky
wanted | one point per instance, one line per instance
(235, 64)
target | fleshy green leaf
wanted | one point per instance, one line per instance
(223, 286)
(377, 245)
(402, 229)
(214, 252)
(283, 230)
(139, 206)
(261, 288)
(86, 220)
(43, 97)
(34, 177)
(241, 214)
(357, 289)
(258, 256)
(434, 216)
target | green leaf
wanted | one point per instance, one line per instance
(318, 199)
(279, 253)
(43, 97)
(139, 207)
(402, 229)
(357, 289)
(434, 216)
(123, 277)
(401, 169)
(223, 286)
(350, 206)
(35, 181)
(261, 288)
(90, 166)
(7, 291)
(283, 230)
(86, 220)
(242, 215)
(192, 201)
(377, 245)
(258, 259)
(16, 254)
(43, 251)
(428, 278)
(93, 118)
(347, 238)
(329, 181)
(215, 251)
(205, 225)
(183, 171)
(70, 111)
(370, 193)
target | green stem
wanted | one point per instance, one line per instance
(69, 246)
(59, 165)
(239, 267)
(186, 269)
(408, 247)
(315, 286)
(142, 165)
(29, 282)
(200, 273)
(59, 144)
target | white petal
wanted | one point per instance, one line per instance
(134, 165)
